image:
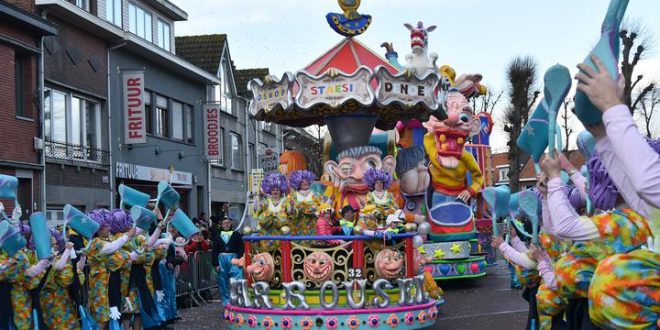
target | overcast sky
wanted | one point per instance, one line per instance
(472, 35)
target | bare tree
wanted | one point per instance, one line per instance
(634, 35)
(648, 107)
(566, 115)
(521, 73)
(486, 103)
(315, 154)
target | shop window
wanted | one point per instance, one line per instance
(139, 22)
(113, 11)
(164, 35)
(236, 152)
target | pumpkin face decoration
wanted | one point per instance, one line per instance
(389, 264)
(318, 266)
(262, 267)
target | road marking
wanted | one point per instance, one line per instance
(482, 315)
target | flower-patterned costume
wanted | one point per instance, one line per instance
(272, 216)
(621, 231)
(14, 274)
(625, 291)
(56, 304)
(128, 289)
(549, 302)
(98, 280)
(302, 222)
(375, 204)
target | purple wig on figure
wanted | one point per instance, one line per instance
(101, 216)
(374, 175)
(297, 177)
(575, 198)
(120, 221)
(274, 180)
(59, 238)
(25, 229)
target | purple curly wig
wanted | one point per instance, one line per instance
(59, 238)
(374, 175)
(101, 216)
(25, 229)
(602, 191)
(274, 180)
(297, 177)
(120, 221)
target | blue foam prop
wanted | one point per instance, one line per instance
(8, 186)
(183, 224)
(530, 204)
(586, 143)
(607, 49)
(142, 217)
(11, 239)
(168, 196)
(80, 222)
(131, 197)
(557, 82)
(41, 236)
(498, 200)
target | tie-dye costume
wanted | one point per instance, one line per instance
(57, 307)
(21, 302)
(129, 290)
(625, 291)
(621, 231)
(549, 302)
(98, 264)
(305, 207)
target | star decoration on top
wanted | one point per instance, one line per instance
(421, 249)
(456, 248)
(530, 130)
(438, 254)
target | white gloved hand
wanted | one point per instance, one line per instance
(160, 295)
(114, 313)
(72, 254)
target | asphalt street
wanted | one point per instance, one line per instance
(487, 303)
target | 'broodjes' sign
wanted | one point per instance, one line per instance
(134, 118)
(212, 138)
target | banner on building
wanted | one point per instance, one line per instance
(134, 117)
(256, 176)
(212, 137)
(145, 173)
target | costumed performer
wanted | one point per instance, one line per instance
(271, 211)
(326, 226)
(379, 202)
(303, 203)
(227, 245)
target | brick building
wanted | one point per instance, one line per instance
(21, 33)
(528, 174)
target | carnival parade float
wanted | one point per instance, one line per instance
(397, 138)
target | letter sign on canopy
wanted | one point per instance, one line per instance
(212, 138)
(134, 117)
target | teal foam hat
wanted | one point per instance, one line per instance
(168, 196)
(131, 197)
(533, 138)
(514, 208)
(586, 143)
(8, 186)
(607, 50)
(498, 200)
(530, 204)
(142, 217)
(80, 222)
(183, 224)
(11, 240)
(41, 235)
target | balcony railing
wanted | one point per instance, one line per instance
(76, 154)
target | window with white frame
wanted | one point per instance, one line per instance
(113, 11)
(84, 4)
(223, 92)
(177, 120)
(139, 22)
(164, 35)
(504, 174)
(236, 152)
(72, 126)
(188, 121)
(253, 156)
(160, 117)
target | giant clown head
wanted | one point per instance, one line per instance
(262, 267)
(389, 264)
(353, 163)
(318, 266)
(452, 133)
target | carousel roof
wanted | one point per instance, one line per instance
(348, 56)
